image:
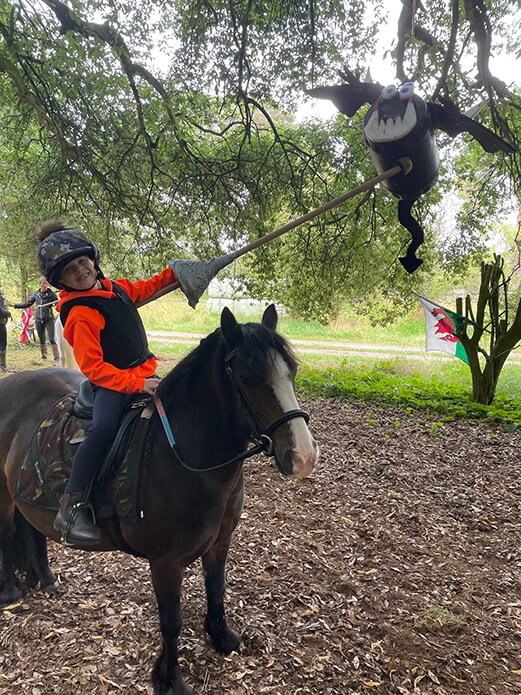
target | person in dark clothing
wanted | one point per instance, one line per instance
(45, 299)
(4, 315)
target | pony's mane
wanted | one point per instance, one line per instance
(255, 346)
(179, 377)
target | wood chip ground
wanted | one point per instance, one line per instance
(394, 568)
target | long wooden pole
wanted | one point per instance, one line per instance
(403, 167)
(319, 211)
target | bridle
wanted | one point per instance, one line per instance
(260, 436)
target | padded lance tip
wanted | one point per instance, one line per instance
(195, 276)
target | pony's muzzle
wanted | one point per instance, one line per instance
(299, 458)
(301, 461)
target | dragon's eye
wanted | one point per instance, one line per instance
(389, 92)
(406, 90)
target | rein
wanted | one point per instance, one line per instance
(261, 438)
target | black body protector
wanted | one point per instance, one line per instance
(123, 340)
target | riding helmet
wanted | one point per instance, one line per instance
(61, 247)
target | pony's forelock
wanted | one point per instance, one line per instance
(259, 342)
(255, 346)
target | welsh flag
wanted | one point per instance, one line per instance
(26, 325)
(440, 327)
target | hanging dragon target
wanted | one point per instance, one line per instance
(400, 124)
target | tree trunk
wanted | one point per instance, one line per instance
(483, 386)
(23, 282)
(491, 320)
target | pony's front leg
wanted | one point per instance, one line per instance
(224, 639)
(166, 578)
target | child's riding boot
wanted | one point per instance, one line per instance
(56, 355)
(43, 350)
(75, 521)
(3, 363)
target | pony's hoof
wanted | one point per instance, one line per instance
(180, 688)
(224, 640)
(51, 588)
(10, 598)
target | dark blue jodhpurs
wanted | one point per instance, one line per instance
(41, 326)
(106, 417)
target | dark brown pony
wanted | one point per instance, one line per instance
(236, 386)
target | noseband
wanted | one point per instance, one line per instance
(260, 436)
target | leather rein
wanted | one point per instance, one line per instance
(261, 437)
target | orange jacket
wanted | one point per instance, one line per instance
(84, 325)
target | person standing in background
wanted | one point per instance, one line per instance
(4, 315)
(45, 299)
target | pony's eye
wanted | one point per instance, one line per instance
(246, 379)
(389, 91)
(406, 90)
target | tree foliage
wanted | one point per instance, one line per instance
(494, 329)
(198, 153)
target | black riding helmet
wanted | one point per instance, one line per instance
(61, 247)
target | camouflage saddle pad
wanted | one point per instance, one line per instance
(43, 476)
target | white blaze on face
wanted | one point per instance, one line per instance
(305, 449)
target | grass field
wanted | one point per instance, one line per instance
(172, 313)
(402, 373)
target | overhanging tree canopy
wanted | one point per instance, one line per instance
(207, 149)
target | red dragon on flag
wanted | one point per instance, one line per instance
(441, 326)
(444, 325)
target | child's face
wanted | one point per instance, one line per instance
(79, 274)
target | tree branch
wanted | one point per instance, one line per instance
(70, 22)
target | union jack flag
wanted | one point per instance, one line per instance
(26, 325)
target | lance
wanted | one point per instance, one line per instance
(193, 277)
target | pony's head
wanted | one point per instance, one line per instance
(261, 367)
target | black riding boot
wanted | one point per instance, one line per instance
(75, 521)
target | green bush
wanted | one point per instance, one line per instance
(433, 395)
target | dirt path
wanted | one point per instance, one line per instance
(329, 347)
(324, 347)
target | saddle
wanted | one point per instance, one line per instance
(46, 468)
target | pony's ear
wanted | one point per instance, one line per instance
(270, 318)
(229, 326)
